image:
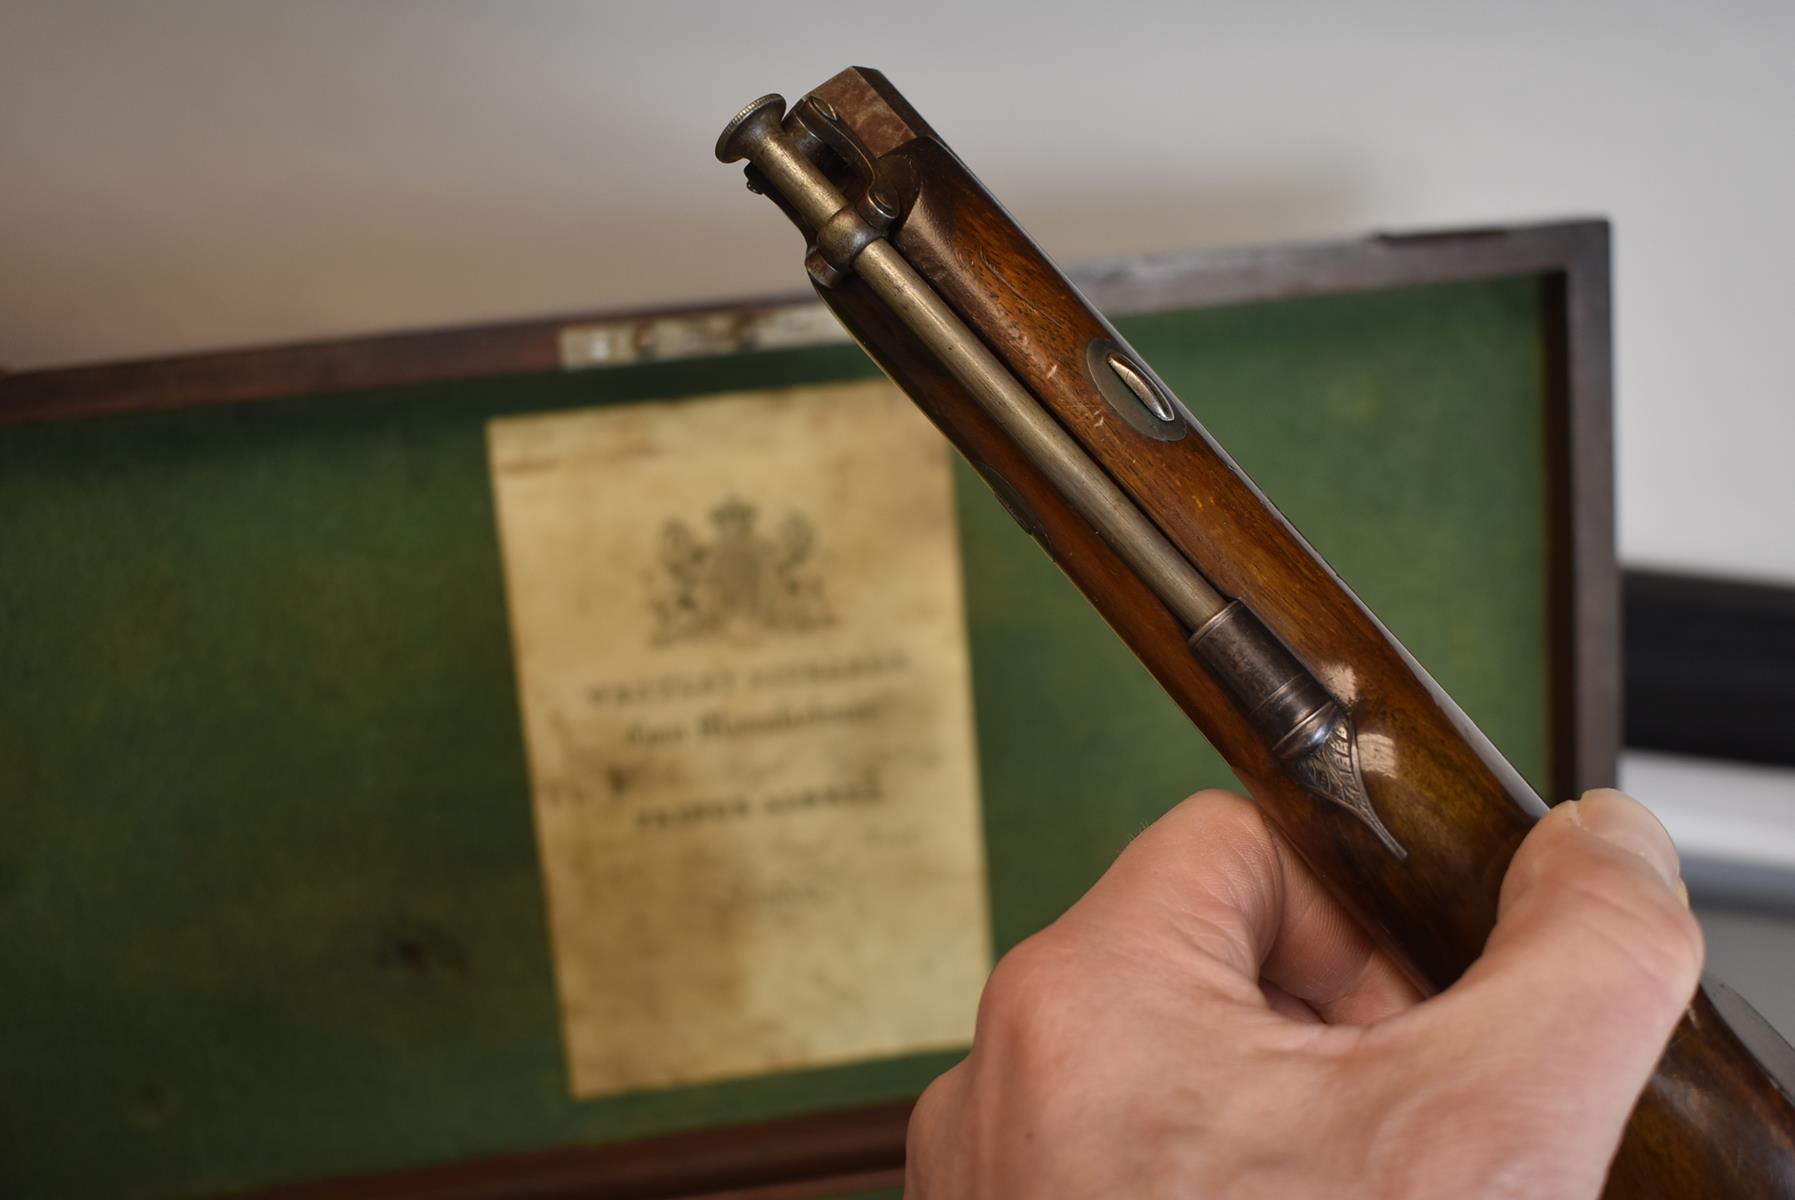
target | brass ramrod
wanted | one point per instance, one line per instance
(1268, 651)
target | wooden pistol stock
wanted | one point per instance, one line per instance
(1390, 794)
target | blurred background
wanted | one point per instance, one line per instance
(187, 176)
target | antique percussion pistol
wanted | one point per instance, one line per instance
(1392, 796)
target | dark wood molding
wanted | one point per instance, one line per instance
(1710, 667)
(1585, 574)
(1214, 278)
(799, 1158)
(1145, 283)
(830, 1153)
(380, 361)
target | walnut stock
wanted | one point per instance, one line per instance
(1413, 840)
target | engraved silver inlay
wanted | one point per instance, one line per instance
(1330, 769)
(1310, 731)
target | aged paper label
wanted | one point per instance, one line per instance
(741, 653)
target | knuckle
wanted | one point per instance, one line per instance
(926, 1115)
(1674, 945)
(1212, 818)
(1648, 929)
(1018, 986)
(1217, 806)
(1011, 980)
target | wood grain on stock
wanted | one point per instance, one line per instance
(1712, 1122)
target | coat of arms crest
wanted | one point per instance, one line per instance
(740, 583)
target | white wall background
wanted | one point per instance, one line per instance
(183, 175)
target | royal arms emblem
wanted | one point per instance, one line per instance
(739, 584)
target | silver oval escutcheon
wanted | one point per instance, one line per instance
(1133, 392)
(1142, 387)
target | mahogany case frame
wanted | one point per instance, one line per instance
(831, 1153)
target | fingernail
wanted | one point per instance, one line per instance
(1617, 818)
(1683, 893)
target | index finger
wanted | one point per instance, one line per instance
(1210, 890)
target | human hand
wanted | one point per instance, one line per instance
(1206, 1021)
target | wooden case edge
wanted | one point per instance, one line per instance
(861, 1149)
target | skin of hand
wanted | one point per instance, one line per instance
(1206, 1021)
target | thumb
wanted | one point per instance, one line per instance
(1593, 960)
